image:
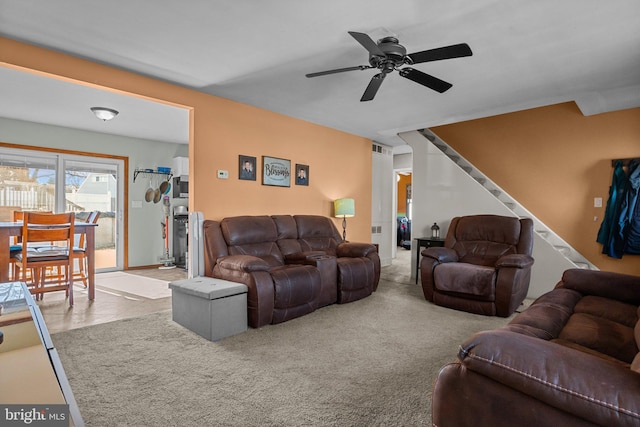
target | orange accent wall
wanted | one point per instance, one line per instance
(220, 130)
(402, 194)
(555, 161)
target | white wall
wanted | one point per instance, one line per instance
(145, 233)
(382, 210)
(441, 191)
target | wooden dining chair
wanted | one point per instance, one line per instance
(80, 250)
(38, 229)
(16, 246)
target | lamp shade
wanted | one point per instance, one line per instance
(344, 208)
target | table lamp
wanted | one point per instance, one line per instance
(344, 208)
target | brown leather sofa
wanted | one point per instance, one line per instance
(484, 266)
(571, 359)
(292, 265)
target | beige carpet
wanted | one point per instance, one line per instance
(133, 284)
(368, 363)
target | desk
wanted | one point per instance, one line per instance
(9, 229)
(426, 242)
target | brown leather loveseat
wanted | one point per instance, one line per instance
(292, 265)
(570, 359)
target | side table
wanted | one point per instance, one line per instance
(426, 242)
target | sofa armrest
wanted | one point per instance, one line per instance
(515, 261)
(621, 287)
(246, 263)
(584, 385)
(441, 254)
(354, 250)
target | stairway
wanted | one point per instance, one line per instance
(542, 230)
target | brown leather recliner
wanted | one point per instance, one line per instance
(484, 266)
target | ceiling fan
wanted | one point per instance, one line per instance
(388, 55)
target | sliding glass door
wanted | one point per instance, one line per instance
(42, 181)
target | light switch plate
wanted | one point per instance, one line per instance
(223, 174)
(597, 202)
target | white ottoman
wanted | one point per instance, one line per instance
(212, 308)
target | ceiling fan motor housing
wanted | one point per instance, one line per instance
(395, 55)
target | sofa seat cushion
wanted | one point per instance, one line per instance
(472, 280)
(592, 352)
(602, 335)
(296, 291)
(596, 325)
(616, 311)
(355, 278)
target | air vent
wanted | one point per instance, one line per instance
(381, 149)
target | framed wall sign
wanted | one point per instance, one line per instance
(302, 174)
(247, 168)
(276, 171)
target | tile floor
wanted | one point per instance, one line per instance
(106, 307)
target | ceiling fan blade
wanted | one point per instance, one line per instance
(447, 52)
(372, 89)
(339, 70)
(367, 43)
(425, 79)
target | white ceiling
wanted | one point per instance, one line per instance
(525, 54)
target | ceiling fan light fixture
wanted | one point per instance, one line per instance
(104, 113)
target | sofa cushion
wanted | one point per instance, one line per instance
(317, 233)
(287, 235)
(616, 311)
(603, 335)
(478, 241)
(468, 279)
(590, 351)
(252, 235)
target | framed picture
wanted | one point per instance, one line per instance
(302, 174)
(247, 168)
(276, 171)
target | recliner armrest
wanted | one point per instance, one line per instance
(354, 250)
(245, 263)
(515, 261)
(570, 380)
(441, 254)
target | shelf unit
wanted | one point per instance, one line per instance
(150, 172)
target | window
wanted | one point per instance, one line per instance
(30, 180)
